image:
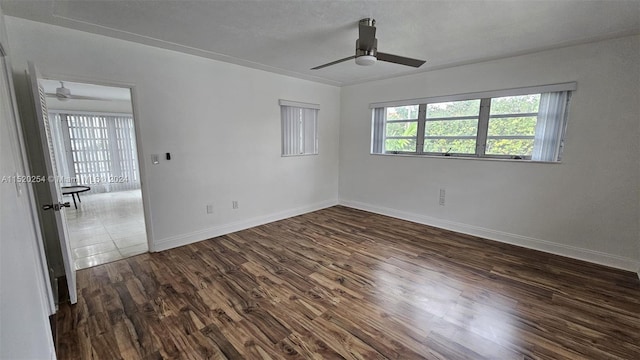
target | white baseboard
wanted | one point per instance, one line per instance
(597, 257)
(189, 238)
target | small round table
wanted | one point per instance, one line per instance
(74, 191)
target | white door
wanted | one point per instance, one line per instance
(58, 206)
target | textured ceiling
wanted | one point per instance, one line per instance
(290, 37)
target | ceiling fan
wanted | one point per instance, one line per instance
(64, 94)
(367, 49)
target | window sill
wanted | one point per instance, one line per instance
(297, 155)
(469, 158)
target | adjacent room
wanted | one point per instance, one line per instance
(93, 133)
(320, 179)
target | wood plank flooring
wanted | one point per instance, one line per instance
(346, 284)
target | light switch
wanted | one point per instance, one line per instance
(155, 159)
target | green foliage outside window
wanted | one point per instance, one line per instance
(402, 129)
(452, 128)
(512, 126)
(457, 131)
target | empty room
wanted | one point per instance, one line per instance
(286, 179)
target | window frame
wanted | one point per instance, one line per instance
(449, 118)
(409, 120)
(483, 118)
(303, 126)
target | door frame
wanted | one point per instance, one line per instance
(136, 124)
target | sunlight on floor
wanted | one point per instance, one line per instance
(107, 227)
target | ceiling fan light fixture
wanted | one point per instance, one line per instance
(366, 60)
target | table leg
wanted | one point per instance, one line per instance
(74, 200)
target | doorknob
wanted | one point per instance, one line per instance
(56, 207)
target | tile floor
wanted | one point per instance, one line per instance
(106, 227)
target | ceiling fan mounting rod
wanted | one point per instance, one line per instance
(368, 22)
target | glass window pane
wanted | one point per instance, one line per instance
(402, 112)
(521, 147)
(453, 146)
(409, 128)
(453, 109)
(525, 126)
(515, 104)
(400, 145)
(451, 128)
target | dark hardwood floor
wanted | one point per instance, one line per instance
(342, 283)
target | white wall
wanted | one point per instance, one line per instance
(24, 324)
(221, 123)
(586, 207)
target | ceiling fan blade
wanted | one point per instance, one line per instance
(367, 38)
(80, 97)
(58, 96)
(400, 60)
(333, 62)
(75, 97)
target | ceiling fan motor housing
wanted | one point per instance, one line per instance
(63, 93)
(367, 55)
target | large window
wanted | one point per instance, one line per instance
(299, 128)
(98, 150)
(525, 124)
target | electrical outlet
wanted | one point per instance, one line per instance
(210, 209)
(234, 204)
(442, 196)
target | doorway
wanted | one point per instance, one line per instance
(94, 141)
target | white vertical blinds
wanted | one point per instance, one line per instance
(377, 140)
(97, 150)
(299, 128)
(290, 130)
(550, 126)
(310, 124)
(125, 153)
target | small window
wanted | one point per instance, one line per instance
(299, 128)
(512, 125)
(451, 127)
(524, 124)
(401, 128)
